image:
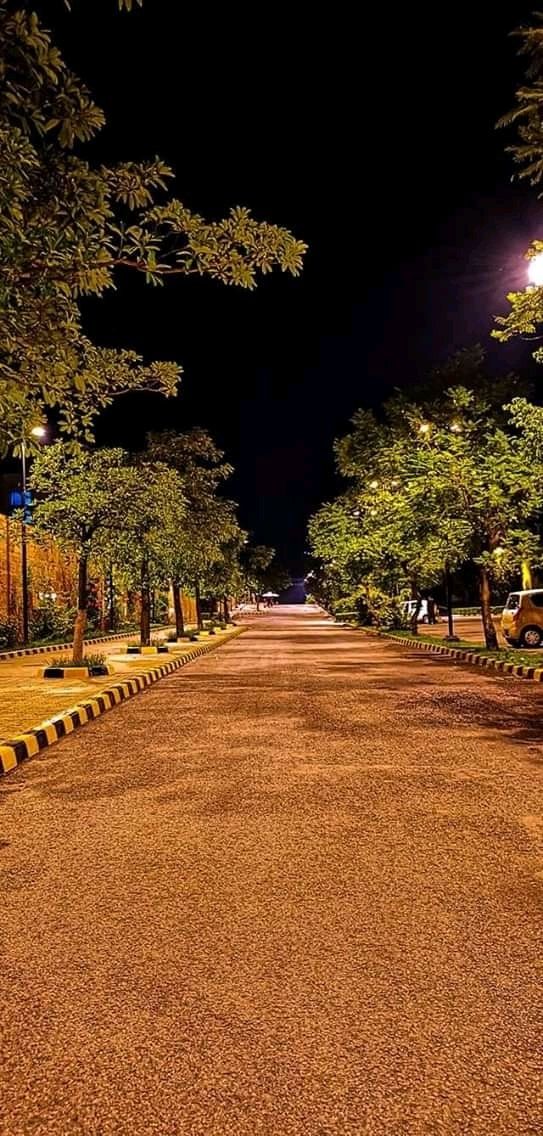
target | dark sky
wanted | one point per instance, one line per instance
(373, 139)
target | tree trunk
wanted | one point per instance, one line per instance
(199, 620)
(111, 600)
(178, 609)
(485, 593)
(415, 595)
(226, 611)
(82, 601)
(145, 609)
(450, 619)
(527, 575)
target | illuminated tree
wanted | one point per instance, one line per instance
(433, 486)
(81, 500)
(152, 521)
(67, 227)
(256, 559)
(209, 523)
(526, 307)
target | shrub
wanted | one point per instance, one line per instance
(9, 634)
(92, 660)
(49, 621)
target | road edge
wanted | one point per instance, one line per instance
(35, 740)
(516, 670)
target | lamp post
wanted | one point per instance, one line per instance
(37, 432)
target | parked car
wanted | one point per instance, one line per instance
(522, 618)
(409, 608)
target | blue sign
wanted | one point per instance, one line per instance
(20, 500)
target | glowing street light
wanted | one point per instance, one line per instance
(424, 428)
(456, 427)
(535, 270)
(374, 484)
(36, 432)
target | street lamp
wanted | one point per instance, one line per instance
(424, 428)
(535, 270)
(36, 432)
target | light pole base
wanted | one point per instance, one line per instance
(451, 638)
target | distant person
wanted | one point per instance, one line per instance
(432, 609)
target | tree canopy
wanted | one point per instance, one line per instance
(525, 314)
(434, 484)
(67, 226)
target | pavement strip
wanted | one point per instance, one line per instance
(33, 741)
(461, 654)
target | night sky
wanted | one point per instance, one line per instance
(373, 140)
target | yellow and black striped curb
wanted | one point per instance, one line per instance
(13, 752)
(518, 670)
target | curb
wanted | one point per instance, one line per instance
(18, 654)
(516, 670)
(28, 744)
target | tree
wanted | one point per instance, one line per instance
(526, 117)
(67, 227)
(209, 523)
(225, 577)
(434, 485)
(256, 559)
(154, 513)
(81, 499)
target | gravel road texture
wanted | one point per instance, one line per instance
(295, 889)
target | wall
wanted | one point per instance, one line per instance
(51, 571)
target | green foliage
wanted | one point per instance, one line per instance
(9, 634)
(153, 513)
(81, 495)
(208, 539)
(67, 227)
(51, 621)
(526, 119)
(93, 660)
(525, 116)
(437, 483)
(256, 561)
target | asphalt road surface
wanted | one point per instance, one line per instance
(295, 888)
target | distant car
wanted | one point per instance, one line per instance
(409, 608)
(522, 618)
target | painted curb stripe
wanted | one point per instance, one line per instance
(26, 745)
(517, 670)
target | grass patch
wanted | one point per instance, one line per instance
(504, 654)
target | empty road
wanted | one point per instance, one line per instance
(294, 888)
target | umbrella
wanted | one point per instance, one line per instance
(270, 596)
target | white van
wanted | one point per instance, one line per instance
(410, 606)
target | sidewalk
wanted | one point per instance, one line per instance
(27, 699)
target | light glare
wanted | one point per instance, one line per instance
(535, 270)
